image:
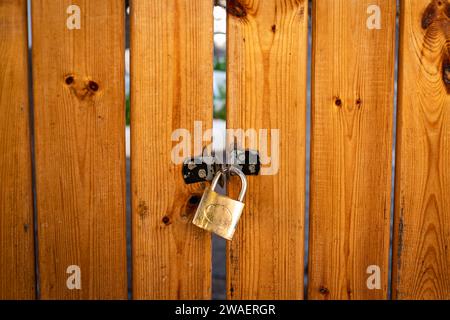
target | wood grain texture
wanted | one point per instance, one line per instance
(421, 260)
(17, 276)
(78, 78)
(351, 148)
(171, 88)
(267, 71)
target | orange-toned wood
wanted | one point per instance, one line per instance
(352, 115)
(78, 78)
(421, 259)
(171, 88)
(17, 276)
(267, 71)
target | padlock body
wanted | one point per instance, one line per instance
(218, 214)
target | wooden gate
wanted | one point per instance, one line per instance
(63, 230)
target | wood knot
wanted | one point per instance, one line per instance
(436, 10)
(324, 291)
(81, 89)
(231, 291)
(143, 210)
(93, 86)
(436, 20)
(194, 200)
(69, 80)
(236, 9)
(192, 205)
(166, 220)
(446, 73)
(358, 103)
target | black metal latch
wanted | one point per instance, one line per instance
(204, 168)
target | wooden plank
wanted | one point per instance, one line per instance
(267, 72)
(171, 88)
(421, 261)
(79, 90)
(351, 151)
(17, 276)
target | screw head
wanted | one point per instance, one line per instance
(202, 173)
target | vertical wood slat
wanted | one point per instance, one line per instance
(352, 114)
(421, 259)
(171, 88)
(17, 275)
(267, 71)
(80, 155)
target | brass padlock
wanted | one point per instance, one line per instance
(218, 213)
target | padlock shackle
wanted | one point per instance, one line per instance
(236, 171)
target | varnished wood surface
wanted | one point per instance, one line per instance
(171, 88)
(79, 116)
(267, 71)
(17, 275)
(351, 148)
(421, 259)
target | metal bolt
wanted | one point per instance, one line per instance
(192, 166)
(202, 173)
